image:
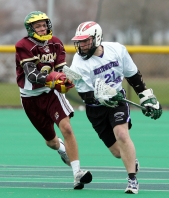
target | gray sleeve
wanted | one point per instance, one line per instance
(33, 75)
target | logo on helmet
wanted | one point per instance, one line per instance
(88, 26)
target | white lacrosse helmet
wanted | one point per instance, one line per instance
(83, 32)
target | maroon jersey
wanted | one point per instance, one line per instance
(47, 56)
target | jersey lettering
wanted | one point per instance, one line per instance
(106, 67)
(47, 58)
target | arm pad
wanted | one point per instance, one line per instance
(136, 82)
(33, 75)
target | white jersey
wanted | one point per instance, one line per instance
(113, 66)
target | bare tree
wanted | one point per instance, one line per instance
(144, 17)
(129, 20)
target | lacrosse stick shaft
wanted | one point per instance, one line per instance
(134, 104)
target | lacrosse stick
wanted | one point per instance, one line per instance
(104, 92)
(70, 74)
(134, 104)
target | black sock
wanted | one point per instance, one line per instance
(132, 175)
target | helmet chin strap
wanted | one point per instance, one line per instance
(43, 37)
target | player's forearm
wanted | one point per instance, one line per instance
(137, 82)
(33, 75)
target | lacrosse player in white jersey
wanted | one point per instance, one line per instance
(110, 117)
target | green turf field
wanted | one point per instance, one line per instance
(29, 169)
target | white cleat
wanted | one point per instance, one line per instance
(82, 177)
(132, 187)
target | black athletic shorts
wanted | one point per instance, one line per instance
(104, 119)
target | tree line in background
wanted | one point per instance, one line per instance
(130, 22)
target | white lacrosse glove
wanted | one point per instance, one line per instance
(106, 95)
(153, 107)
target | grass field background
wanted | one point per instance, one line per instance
(10, 93)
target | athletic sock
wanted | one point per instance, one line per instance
(62, 148)
(75, 166)
(132, 176)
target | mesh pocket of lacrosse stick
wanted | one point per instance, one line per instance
(102, 90)
(70, 74)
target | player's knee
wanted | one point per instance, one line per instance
(121, 136)
(121, 133)
(66, 130)
(65, 127)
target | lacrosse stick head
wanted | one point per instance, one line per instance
(103, 90)
(70, 74)
(103, 93)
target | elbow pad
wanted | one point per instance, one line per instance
(136, 82)
(33, 75)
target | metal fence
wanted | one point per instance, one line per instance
(152, 61)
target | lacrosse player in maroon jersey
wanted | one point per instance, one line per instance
(110, 62)
(40, 58)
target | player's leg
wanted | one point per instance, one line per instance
(127, 152)
(126, 146)
(57, 144)
(110, 141)
(60, 112)
(47, 109)
(81, 177)
(103, 120)
(115, 150)
(69, 139)
(42, 122)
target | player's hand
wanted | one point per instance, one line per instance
(153, 107)
(106, 95)
(118, 97)
(112, 102)
(109, 101)
(58, 81)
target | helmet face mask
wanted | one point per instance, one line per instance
(85, 50)
(85, 31)
(34, 17)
